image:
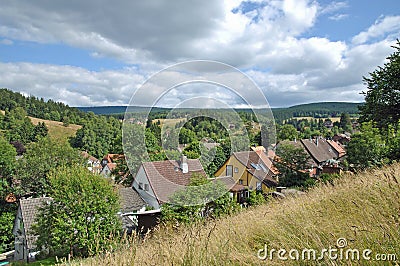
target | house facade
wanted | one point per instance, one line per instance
(252, 169)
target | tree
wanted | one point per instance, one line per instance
(7, 159)
(287, 132)
(201, 199)
(40, 158)
(367, 148)
(7, 216)
(382, 98)
(81, 219)
(345, 122)
(292, 163)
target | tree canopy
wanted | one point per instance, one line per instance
(382, 98)
(81, 219)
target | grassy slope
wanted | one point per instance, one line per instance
(363, 208)
(56, 129)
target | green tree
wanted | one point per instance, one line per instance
(367, 148)
(382, 98)
(7, 159)
(345, 122)
(201, 199)
(293, 165)
(40, 158)
(7, 216)
(287, 132)
(81, 219)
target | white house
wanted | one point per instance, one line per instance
(157, 181)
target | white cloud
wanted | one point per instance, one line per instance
(382, 27)
(338, 17)
(72, 85)
(333, 7)
(269, 40)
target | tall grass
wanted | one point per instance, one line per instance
(364, 209)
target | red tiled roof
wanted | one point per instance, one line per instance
(338, 147)
(166, 177)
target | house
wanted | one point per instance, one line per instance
(93, 164)
(131, 203)
(157, 181)
(238, 193)
(107, 169)
(343, 139)
(109, 162)
(322, 153)
(24, 239)
(340, 150)
(252, 169)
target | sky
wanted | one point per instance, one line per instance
(96, 52)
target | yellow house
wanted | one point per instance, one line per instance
(252, 169)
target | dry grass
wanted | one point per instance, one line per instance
(56, 129)
(363, 208)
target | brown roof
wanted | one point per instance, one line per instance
(29, 208)
(86, 155)
(130, 199)
(166, 177)
(111, 166)
(258, 165)
(319, 149)
(298, 144)
(112, 157)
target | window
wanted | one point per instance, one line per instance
(140, 185)
(240, 182)
(146, 187)
(258, 186)
(236, 170)
(229, 170)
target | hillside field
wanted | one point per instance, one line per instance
(356, 212)
(56, 129)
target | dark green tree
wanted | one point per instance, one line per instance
(81, 219)
(287, 132)
(40, 158)
(293, 165)
(200, 200)
(382, 98)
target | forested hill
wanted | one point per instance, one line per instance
(316, 110)
(39, 108)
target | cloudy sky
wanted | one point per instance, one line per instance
(97, 52)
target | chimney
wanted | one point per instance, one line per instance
(295, 140)
(316, 141)
(184, 164)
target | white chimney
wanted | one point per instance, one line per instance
(184, 164)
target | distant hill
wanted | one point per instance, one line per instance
(317, 110)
